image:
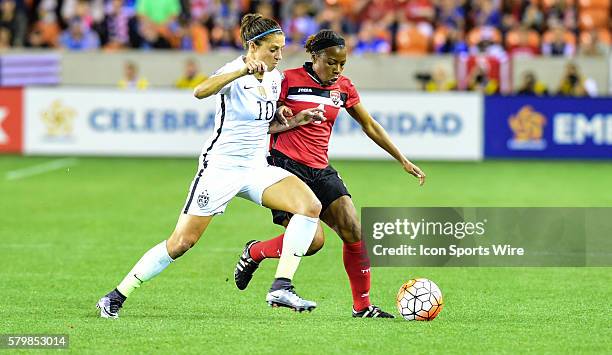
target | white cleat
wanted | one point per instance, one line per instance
(109, 307)
(290, 299)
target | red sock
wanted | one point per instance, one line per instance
(357, 266)
(267, 249)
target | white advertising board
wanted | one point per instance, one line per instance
(424, 126)
(87, 121)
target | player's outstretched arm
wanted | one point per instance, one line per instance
(378, 134)
(215, 83)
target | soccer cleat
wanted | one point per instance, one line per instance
(287, 297)
(372, 312)
(110, 304)
(246, 266)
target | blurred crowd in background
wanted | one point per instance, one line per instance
(415, 27)
(518, 27)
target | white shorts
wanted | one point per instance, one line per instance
(213, 187)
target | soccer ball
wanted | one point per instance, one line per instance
(419, 299)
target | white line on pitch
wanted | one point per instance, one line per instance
(40, 168)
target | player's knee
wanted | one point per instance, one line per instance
(179, 244)
(311, 208)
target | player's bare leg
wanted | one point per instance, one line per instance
(292, 195)
(341, 216)
(186, 234)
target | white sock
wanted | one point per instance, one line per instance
(150, 265)
(298, 237)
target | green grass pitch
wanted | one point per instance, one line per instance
(70, 235)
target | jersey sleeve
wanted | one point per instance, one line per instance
(227, 68)
(353, 96)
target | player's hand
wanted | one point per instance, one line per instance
(415, 171)
(253, 67)
(283, 114)
(310, 115)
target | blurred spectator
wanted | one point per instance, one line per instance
(48, 22)
(533, 18)
(478, 80)
(416, 10)
(513, 11)
(115, 28)
(90, 11)
(523, 43)
(454, 43)
(191, 36)
(200, 10)
(226, 13)
(5, 38)
(192, 76)
(159, 12)
(333, 18)
(266, 9)
(486, 14)
(315, 7)
(78, 37)
(20, 21)
(150, 37)
(413, 39)
(572, 82)
(557, 44)
(592, 46)
(561, 14)
(575, 83)
(531, 86)
(370, 40)
(449, 13)
(439, 80)
(9, 23)
(221, 38)
(301, 25)
(381, 12)
(131, 80)
(486, 40)
(36, 40)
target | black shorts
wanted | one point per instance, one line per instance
(325, 183)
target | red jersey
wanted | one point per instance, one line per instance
(301, 90)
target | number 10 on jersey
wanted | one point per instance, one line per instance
(270, 108)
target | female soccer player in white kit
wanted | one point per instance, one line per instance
(233, 163)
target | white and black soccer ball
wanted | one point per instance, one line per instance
(419, 299)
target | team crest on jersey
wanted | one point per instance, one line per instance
(335, 97)
(203, 199)
(262, 92)
(274, 88)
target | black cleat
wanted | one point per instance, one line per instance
(372, 312)
(246, 266)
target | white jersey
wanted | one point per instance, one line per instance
(245, 108)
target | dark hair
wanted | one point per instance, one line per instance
(323, 39)
(254, 25)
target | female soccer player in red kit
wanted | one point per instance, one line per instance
(302, 150)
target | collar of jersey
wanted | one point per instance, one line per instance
(311, 72)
